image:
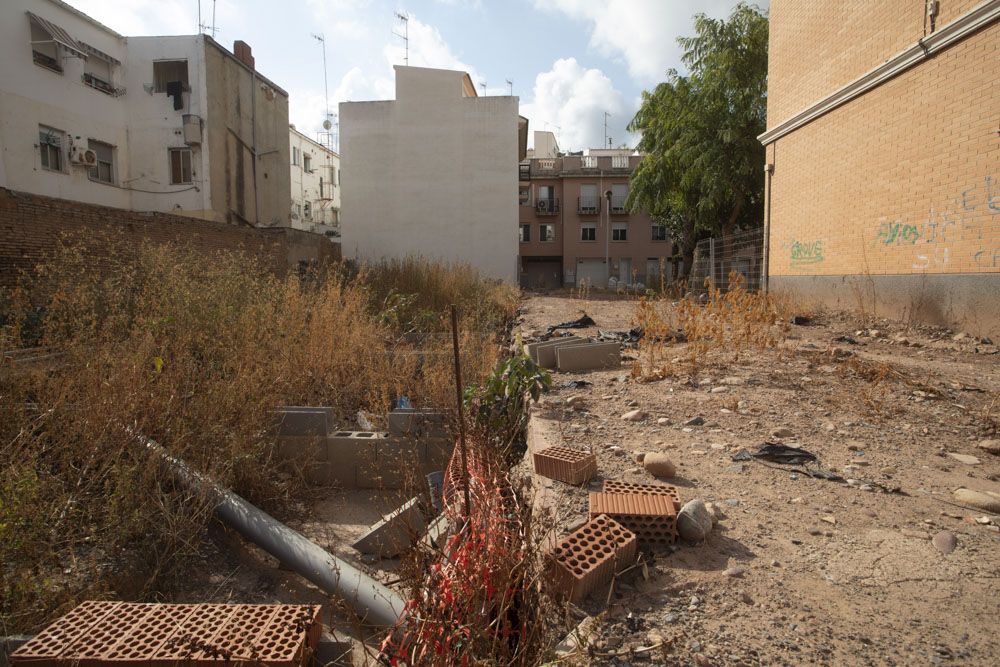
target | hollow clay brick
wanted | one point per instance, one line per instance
(651, 517)
(588, 558)
(616, 486)
(573, 466)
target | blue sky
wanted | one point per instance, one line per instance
(570, 60)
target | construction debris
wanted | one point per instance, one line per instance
(651, 517)
(589, 557)
(617, 486)
(587, 357)
(580, 323)
(395, 533)
(565, 464)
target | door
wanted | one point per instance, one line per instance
(592, 272)
(653, 272)
(625, 270)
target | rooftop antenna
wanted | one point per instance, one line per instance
(510, 87)
(607, 140)
(326, 93)
(402, 16)
(203, 27)
(482, 84)
(610, 139)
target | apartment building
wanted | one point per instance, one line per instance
(315, 178)
(883, 157)
(174, 124)
(433, 173)
(574, 226)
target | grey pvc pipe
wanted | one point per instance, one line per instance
(375, 603)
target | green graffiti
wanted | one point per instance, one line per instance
(898, 233)
(807, 253)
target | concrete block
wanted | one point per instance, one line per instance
(397, 463)
(437, 454)
(588, 357)
(546, 352)
(347, 452)
(301, 449)
(395, 533)
(416, 423)
(304, 420)
(437, 533)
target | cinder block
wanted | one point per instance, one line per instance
(437, 453)
(301, 449)
(303, 420)
(616, 486)
(546, 352)
(531, 349)
(396, 461)
(588, 558)
(350, 452)
(573, 466)
(395, 533)
(651, 517)
(588, 357)
(416, 423)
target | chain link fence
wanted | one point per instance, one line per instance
(716, 258)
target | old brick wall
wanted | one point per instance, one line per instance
(31, 227)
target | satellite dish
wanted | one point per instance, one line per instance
(327, 124)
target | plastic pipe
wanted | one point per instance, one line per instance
(376, 604)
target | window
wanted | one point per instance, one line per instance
(307, 163)
(298, 210)
(523, 195)
(180, 166)
(169, 71)
(104, 170)
(546, 233)
(307, 210)
(333, 174)
(619, 231)
(295, 155)
(321, 195)
(44, 50)
(619, 193)
(588, 232)
(50, 147)
(97, 75)
(589, 199)
(659, 232)
(525, 233)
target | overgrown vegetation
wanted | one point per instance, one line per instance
(195, 354)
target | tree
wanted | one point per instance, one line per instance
(702, 173)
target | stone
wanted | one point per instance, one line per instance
(634, 416)
(574, 401)
(720, 390)
(695, 421)
(663, 421)
(659, 465)
(967, 459)
(694, 521)
(640, 456)
(830, 519)
(992, 446)
(983, 501)
(735, 571)
(945, 542)
(782, 432)
(733, 380)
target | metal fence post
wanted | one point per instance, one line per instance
(711, 260)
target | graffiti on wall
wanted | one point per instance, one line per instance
(806, 252)
(932, 239)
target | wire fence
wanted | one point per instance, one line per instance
(716, 258)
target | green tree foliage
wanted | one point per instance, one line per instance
(703, 167)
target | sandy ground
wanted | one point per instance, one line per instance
(799, 570)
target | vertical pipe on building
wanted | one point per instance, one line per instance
(253, 141)
(769, 171)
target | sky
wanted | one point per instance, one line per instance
(570, 61)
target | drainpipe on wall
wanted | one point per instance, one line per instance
(769, 170)
(607, 238)
(253, 140)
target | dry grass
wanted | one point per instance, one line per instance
(728, 323)
(195, 354)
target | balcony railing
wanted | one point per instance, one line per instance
(588, 205)
(619, 161)
(46, 61)
(618, 204)
(524, 172)
(547, 206)
(98, 84)
(589, 162)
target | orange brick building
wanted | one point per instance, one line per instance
(883, 157)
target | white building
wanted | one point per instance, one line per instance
(174, 124)
(315, 180)
(433, 173)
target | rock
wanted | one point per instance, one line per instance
(663, 421)
(574, 401)
(782, 432)
(829, 519)
(733, 380)
(960, 336)
(945, 542)
(695, 421)
(982, 501)
(992, 446)
(775, 562)
(716, 512)
(659, 465)
(735, 571)
(964, 458)
(694, 521)
(720, 390)
(639, 456)
(830, 426)
(634, 416)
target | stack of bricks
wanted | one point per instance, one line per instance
(104, 634)
(653, 518)
(590, 556)
(565, 464)
(618, 487)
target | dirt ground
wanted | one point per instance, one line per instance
(798, 570)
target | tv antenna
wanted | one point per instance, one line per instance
(327, 124)
(402, 16)
(482, 84)
(510, 87)
(607, 139)
(205, 28)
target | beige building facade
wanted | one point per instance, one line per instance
(432, 173)
(315, 179)
(883, 158)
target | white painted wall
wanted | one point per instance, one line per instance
(545, 144)
(433, 173)
(306, 186)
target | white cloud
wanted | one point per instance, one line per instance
(570, 100)
(642, 33)
(163, 17)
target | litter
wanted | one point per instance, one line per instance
(575, 384)
(364, 423)
(776, 453)
(582, 322)
(845, 339)
(633, 335)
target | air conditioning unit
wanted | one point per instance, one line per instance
(543, 204)
(84, 157)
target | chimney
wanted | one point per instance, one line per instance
(242, 52)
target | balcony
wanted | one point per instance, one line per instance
(618, 204)
(46, 61)
(549, 206)
(588, 162)
(98, 84)
(524, 172)
(588, 205)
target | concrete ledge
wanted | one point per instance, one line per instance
(589, 357)
(546, 352)
(304, 420)
(967, 301)
(395, 533)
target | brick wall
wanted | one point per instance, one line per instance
(31, 227)
(817, 47)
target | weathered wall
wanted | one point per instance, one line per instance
(899, 189)
(31, 227)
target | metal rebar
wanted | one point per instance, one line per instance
(461, 411)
